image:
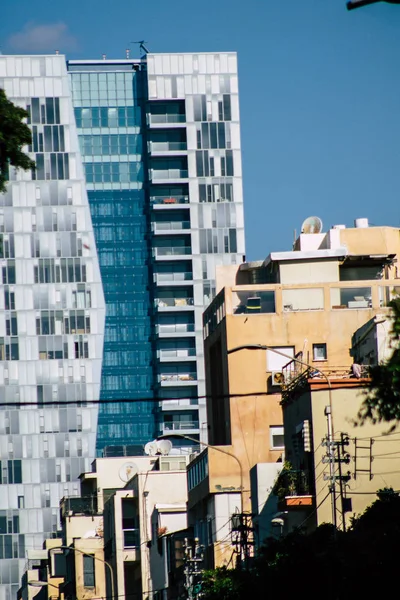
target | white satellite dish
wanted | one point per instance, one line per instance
(164, 447)
(312, 225)
(127, 471)
(151, 448)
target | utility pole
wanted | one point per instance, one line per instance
(330, 458)
(334, 458)
(193, 556)
(243, 538)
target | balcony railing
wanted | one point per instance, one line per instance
(167, 277)
(168, 174)
(172, 377)
(175, 353)
(169, 200)
(78, 505)
(172, 250)
(167, 146)
(175, 328)
(170, 225)
(170, 302)
(179, 425)
(131, 538)
(167, 118)
(354, 298)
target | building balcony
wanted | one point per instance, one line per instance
(175, 329)
(172, 278)
(181, 426)
(76, 505)
(182, 404)
(173, 303)
(167, 148)
(293, 490)
(166, 120)
(167, 175)
(174, 379)
(162, 202)
(168, 252)
(162, 227)
(176, 355)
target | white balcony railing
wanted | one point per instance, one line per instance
(167, 146)
(179, 425)
(168, 277)
(176, 353)
(156, 174)
(170, 225)
(169, 302)
(172, 250)
(175, 328)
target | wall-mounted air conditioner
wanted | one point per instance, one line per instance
(277, 378)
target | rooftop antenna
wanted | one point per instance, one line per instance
(142, 46)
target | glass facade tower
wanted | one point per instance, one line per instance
(160, 139)
(51, 319)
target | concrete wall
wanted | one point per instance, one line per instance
(264, 504)
(309, 271)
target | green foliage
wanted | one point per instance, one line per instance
(14, 134)
(382, 402)
(285, 482)
(325, 563)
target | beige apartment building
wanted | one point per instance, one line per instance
(305, 303)
(364, 457)
(112, 533)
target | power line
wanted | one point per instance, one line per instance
(152, 399)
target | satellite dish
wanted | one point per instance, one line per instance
(151, 448)
(312, 225)
(127, 471)
(164, 447)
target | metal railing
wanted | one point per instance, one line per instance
(166, 118)
(170, 225)
(160, 277)
(86, 505)
(175, 353)
(168, 174)
(169, 200)
(180, 425)
(175, 328)
(164, 377)
(174, 301)
(167, 146)
(172, 250)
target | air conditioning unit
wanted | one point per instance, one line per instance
(277, 378)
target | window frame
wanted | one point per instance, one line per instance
(315, 348)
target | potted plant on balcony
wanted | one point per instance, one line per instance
(285, 484)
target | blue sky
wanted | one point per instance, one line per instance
(320, 91)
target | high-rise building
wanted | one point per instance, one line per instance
(51, 319)
(160, 141)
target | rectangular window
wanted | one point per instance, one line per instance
(88, 571)
(276, 438)
(320, 352)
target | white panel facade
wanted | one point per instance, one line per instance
(207, 83)
(51, 319)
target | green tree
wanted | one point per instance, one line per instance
(382, 402)
(14, 134)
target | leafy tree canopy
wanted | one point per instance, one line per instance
(14, 134)
(326, 563)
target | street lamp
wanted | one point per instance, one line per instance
(217, 449)
(359, 3)
(328, 409)
(54, 550)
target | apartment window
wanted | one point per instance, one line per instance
(88, 571)
(276, 438)
(319, 352)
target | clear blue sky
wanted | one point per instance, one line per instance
(320, 93)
